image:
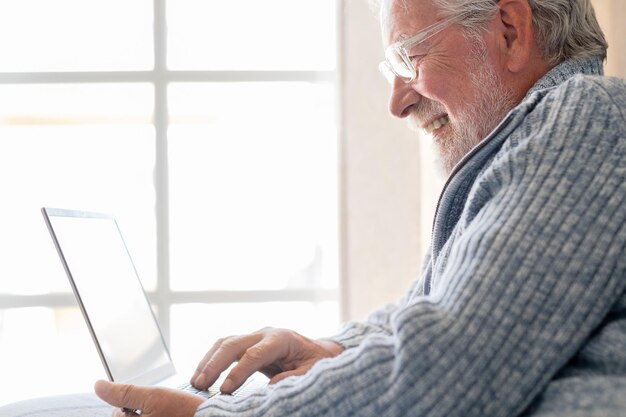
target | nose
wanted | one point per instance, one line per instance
(403, 96)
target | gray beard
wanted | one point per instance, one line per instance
(492, 102)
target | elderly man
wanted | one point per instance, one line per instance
(521, 307)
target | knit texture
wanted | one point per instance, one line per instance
(521, 308)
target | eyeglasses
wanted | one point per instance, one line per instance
(397, 61)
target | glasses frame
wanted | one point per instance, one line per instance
(401, 47)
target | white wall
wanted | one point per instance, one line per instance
(612, 17)
(389, 185)
(380, 176)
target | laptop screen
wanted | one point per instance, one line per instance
(112, 298)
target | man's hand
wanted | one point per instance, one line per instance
(151, 401)
(278, 353)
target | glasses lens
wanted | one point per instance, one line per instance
(398, 64)
(387, 72)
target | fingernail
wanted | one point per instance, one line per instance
(200, 380)
(227, 386)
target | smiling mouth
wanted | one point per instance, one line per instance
(439, 123)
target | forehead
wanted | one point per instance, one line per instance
(406, 17)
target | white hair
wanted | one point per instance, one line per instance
(564, 28)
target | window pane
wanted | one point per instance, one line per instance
(45, 351)
(190, 343)
(84, 147)
(251, 34)
(75, 35)
(253, 186)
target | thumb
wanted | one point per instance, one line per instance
(120, 395)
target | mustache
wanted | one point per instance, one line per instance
(425, 110)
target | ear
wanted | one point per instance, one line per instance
(517, 33)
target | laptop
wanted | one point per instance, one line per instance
(114, 303)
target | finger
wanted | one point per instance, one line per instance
(229, 351)
(121, 395)
(205, 359)
(254, 359)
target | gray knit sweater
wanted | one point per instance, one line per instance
(521, 308)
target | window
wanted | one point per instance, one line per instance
(214, 144)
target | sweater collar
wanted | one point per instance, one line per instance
(566, 70)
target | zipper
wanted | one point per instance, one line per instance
(455, 171)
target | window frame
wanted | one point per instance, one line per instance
(162, 298)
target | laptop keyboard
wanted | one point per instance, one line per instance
(211, 392)
(251, 385)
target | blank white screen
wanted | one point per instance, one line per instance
(111, 295)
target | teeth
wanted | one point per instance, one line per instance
(437, 124)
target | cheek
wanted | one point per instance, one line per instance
(446, 84)
(432, 81)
